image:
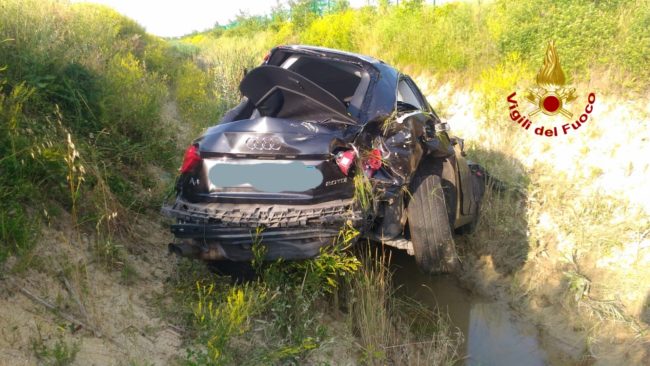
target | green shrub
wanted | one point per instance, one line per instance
(132, 100)
(194, 96)
(333, 30)
(470, 38)
(81, 73)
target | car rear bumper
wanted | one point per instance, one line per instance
(224, 243)
(222, 231)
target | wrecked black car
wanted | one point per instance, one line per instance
(323, 139)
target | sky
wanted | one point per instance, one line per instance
(170, 18)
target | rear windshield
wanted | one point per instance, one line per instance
(282, 103)
(346, 81)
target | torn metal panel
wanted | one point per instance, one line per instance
(404, 142)
(321, 139)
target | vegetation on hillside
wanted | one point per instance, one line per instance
(94, 113)
(461, 37)
(82, 91)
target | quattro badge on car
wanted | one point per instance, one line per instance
(335, 181)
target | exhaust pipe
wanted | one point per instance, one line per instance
(213, 253)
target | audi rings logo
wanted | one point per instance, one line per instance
(268, 143)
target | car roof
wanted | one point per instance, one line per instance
(332, 51)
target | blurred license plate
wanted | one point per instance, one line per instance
(273, 177)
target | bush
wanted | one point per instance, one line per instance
(194, 96)
(79, 74)
(132, 100)
(470, 38)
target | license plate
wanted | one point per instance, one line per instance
(272, 177)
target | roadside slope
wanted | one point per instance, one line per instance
(567, 242)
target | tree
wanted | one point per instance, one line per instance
(339, 6)
(303, 12)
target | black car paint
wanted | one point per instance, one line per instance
(404, 137)
(307, 141)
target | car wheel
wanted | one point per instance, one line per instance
(431, 234)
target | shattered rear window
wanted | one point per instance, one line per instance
(283, 103)
(344, 80)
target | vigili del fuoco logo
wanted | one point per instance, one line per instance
(552, 97)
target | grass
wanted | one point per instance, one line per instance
(60, 353)
(285, 315)
(390, 329)
(463, 40)
(82, 90)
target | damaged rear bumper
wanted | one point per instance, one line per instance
(222, 231)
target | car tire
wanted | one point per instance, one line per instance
(431, 233)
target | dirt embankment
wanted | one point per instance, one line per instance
(569, 246)
(118, 307)
(91, 300)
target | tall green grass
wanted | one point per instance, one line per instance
(293, 312)
(470, 38)
(83, 75)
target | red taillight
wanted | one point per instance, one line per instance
(345, 160)
(373, 162)
(191, 159)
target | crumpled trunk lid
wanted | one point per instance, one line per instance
(272, 160)
(269, 137)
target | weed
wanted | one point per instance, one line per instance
(16, 230)
(109, 253)
(60, 353)
(394, 330)
(74, 176)
(219, 318)
(362, 191)
(577, 285)
(259, 251)
(370, 307)
(128, 275)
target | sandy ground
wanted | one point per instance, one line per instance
(127, 326)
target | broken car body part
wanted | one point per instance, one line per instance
(313, 122)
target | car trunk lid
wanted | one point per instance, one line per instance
(273, 160)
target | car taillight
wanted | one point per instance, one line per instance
(372, 162)
(191, 159)
(345, 160)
